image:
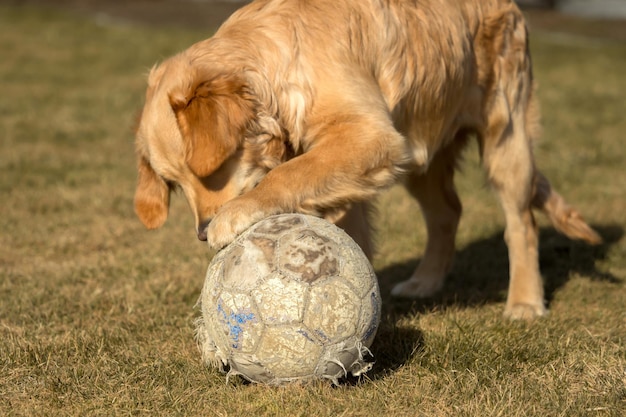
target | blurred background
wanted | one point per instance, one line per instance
(548, 14)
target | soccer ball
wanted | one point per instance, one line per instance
(293, 298)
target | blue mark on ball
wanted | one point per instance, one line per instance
(234, 322)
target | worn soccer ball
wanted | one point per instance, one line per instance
(293, 298)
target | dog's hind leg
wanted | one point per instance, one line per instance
(508, 160)
(505, 139)
(506, 142)
(441, 208)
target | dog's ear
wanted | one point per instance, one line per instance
(213, 112)
(152, 196)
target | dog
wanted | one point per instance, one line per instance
(316, 106)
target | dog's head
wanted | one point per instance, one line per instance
(205, 131)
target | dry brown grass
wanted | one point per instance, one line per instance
(96, 314)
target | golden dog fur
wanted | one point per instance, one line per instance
(317, 106)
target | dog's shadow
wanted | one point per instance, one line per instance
(479, 277)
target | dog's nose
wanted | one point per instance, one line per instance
(202, 230)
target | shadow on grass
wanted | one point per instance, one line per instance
(480, 273)
(480, 276)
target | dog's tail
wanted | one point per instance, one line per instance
(564, 218)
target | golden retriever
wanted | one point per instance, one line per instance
(317, 106)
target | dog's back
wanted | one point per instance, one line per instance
(435, 63)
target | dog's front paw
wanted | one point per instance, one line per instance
(521, 311)
(231, 220)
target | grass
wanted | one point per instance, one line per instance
(96, 314)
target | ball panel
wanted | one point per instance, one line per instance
(261, 250)
(251, 369)
(307, 255)
(277, 225)
(280, 300)
(337, 360)
(215, 272)
(238, 320)
(212, 284)
(333, 311)
(288, 351)
(208, 332)
(245, 263)
(357, 270)
(370, 316)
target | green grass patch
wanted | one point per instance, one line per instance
(96, 314)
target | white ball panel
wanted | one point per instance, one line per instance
(280, 300)
(333, 312)
(239, 321)
(288, 352)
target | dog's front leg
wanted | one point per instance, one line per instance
(350, 159)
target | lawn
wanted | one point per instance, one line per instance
(96, 313)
